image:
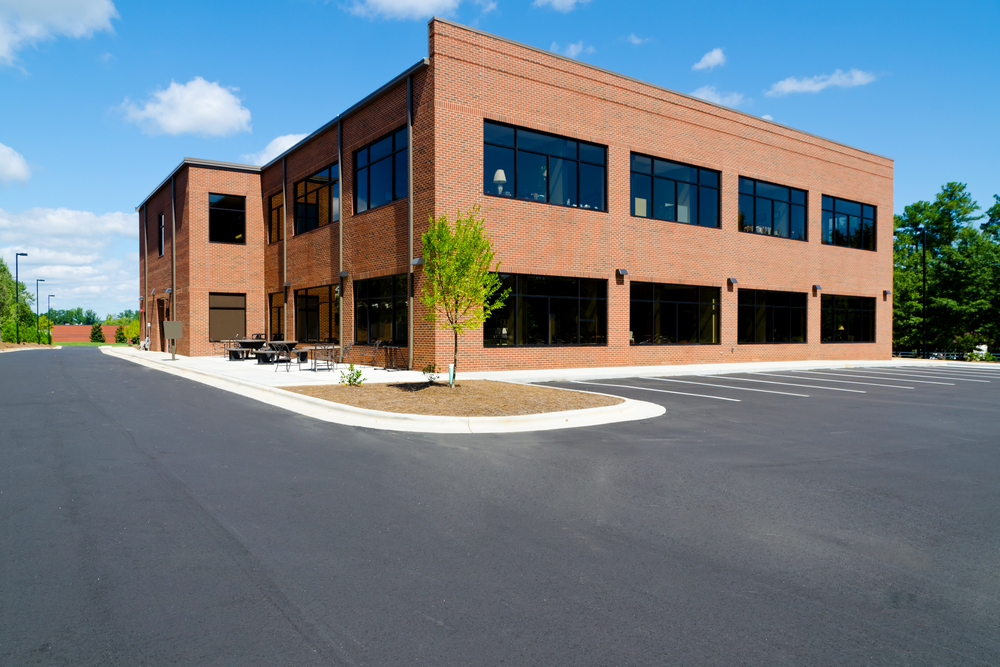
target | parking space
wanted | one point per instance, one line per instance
(869, 384)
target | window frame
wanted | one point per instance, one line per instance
(699, 303)
(162, 233)
(404, 294)
(577, 160)
(280, 208)
(333, 307)
(824, 311)
(394, 153)
(804, 309)
(210, 207)
(513, 303)
(833, 211)
(271, 307)
(697, 186)
(210, 309)
(334, 182)
(755, 196)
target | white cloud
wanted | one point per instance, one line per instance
(710, 60)
(411, 9)
(28, 22)
(767, 116)
(196, 107)
(13, 168)
(632, 39)
(86, 259)
(560, 5)
(814, 84)
(710, 94)
(572, 50)
(276, 147)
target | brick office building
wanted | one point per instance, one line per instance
(634, 225)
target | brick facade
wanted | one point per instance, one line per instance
(472, 77)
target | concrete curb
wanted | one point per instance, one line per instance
(25, 349)
(629, 410)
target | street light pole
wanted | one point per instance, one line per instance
(923, 243)
(38, 336)
(48, 314)
(17, 297)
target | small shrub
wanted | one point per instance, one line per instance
(97, 334)
(120, 335)
(351, 377)
(430, 372)
(979, 356)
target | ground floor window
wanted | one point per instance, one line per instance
(549, 310)
(317, 318)
(381, 310)
(277, 309)
(227, 316)
(673, 314)
(772, 317)
(847, 319)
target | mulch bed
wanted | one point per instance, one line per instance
(469, 398)
(8, 346)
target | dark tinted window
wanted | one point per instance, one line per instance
(549, 310)
(381, 171)
(772, 210)
(771, 317)
(849, 224)
(317, 319)
(667, 190)
(226, 219)
(276, 218)
(673, 314)
(380, 310)
(317, 200)
(542, 167)
(847, 319)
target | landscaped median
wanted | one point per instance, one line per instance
(472, 407)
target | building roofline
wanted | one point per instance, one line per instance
(206, 164)
(350, 111)
(651, 85)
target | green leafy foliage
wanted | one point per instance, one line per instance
(460, 280)
(120, 335)
(97, 334)
(351, 377)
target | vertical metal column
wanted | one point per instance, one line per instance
(409, 215)
(340, 232)
(284, 251)
(173, 259)
(145, 267)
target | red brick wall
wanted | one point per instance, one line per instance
(80, 333)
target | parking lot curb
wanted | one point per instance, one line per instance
(628, 410)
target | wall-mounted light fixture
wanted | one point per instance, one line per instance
(141, 298)
(169, 291)
(417, 261)
(817, 288)
(153, 292)
(732, 281)
(288, 284)
(621, 272)
(886, 292)
(344, 274)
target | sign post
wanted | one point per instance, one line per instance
(173, 331)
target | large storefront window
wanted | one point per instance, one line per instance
(673, 314)
(847, 319)
(317, 319)
(547, 310)
(227, 316)
(772, 317)
(380, 310)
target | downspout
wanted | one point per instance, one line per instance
(409, 216)
(284, 250)
(173, 252)
(145, 267)
(340, 231)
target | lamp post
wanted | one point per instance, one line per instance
(923, 243)
(38, 336)
(17, 297)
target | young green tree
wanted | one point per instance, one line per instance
(460, 281)
(97, 333)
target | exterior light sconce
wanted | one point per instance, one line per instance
(817, 288)
(621, 272)
(288, 284)
(344, 274)
(169, 291)
(153, 292)
(141, 298)
(499, 178)
(886, 292)
(417, 261)
(732, 281)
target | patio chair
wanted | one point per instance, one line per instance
(282, 355)
(324, 357)
(369, 353)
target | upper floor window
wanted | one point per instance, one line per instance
(667, 190)
(160, 233)
(771, 317)
(549, 310)
(276, 224)
(772, 210)
(848, 223)
(317, 200)
(847, 319)
(227, 219)
(380, 172)
(543, 167)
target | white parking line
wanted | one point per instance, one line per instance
(915, 375)
(870, 384)
(873, 377)
(722, 386)
(662, 391)
(787, 384)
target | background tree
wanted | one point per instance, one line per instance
(460, 281)
(97, 334)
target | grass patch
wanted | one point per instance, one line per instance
(469, 398)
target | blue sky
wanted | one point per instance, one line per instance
(100, 100)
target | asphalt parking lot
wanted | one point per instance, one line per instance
(832, 517)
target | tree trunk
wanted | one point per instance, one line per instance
(454, 374)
